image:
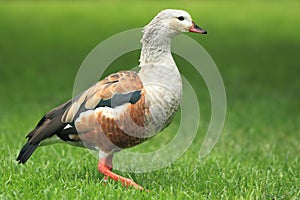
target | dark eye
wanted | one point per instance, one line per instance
(180, 18)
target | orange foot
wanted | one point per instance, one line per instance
(105, 166)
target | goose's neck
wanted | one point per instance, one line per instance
(156, 48)
(159, 72)
(157, 64)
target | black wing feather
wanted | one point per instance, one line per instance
(49, 125)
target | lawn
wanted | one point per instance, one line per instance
(256, 47)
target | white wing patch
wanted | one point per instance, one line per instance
(68, 126)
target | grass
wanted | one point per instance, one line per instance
(256, 46)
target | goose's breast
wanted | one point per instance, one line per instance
(163, 103)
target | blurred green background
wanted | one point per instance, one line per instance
(256, 47)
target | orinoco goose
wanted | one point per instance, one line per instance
(126, 108)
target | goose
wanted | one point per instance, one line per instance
(126, 108)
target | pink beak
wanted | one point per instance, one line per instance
(196, 29)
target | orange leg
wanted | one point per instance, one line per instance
(109, 165)
(105, 166)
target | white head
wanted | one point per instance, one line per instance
(157, 35)
(171, 22)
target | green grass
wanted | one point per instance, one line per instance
(256, 47)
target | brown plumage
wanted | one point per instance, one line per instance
(101, 94)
